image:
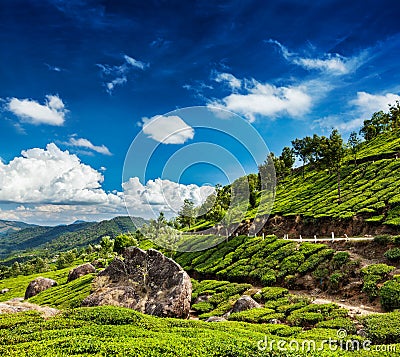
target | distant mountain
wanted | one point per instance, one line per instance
(79, 221)
(61, 238)
(7, 227)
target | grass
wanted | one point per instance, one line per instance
(19, 284)
(113, 331)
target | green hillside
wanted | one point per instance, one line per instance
(7, 227)
(65, 237)
(370, 190)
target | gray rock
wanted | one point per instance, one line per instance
(80, 270)
(245, 302)
(215, 319)
(202, 298)
(146, 281)
(38, 285)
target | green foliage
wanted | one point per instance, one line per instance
(390, 294)
(383, 328)
(393, 254)
(256, 315)
(339, 323)
(123, 241)
(305, 319)
(19, 284)
(372, 275)
(65, 296)
(340, 258)
(314, 260)
(271, 293)
(64, 238)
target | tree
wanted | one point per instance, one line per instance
(106, 244)
(124, 240)
(187, 214)
(394, 115)
(301, 148)
(334, 156)
(378, 123)
(288, 157)
(15, 269)
(267, 173)
(159, 231)
(353, 144)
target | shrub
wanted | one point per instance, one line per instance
(314, 260)
(340, 259)
(202, 307)
(254, 315)
(383, 328)
(268, 279)
(390, 294)
(271, 293)
(305, 319)
(393, 254)
(383, 239)
(377, 269)
(339, 323)
(335, 280)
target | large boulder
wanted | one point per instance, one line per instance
(38, 285)
(244, 303)
(80, 270)
(146, 281)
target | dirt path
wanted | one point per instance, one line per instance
(353, 310)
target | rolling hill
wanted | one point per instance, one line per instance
(64, 237)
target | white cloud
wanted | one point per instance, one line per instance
(85, 143)
(118, 75)
(230, 79)
(116, 82)
(371, 103)
(167, 129)
(362, 108)
(267, 100)
(53, 68)
(52, 112)
(50, 176)
(135, 63)
(51, 186)
(161, 195)
(334, 64)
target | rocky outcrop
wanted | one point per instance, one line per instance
(80, 270)
(244, 303)
(146, 281)
(16, 305)
(38, 285)
(215, 319)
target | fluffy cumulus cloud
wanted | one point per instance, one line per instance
(264, 99)
(161, 195)
(167, 129)
(50, 176)
(85, 143)
(51, 186)
(334, 64)
(361, 108)
(118, 75)
(51, 112)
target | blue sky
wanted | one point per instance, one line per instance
(87, 76)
